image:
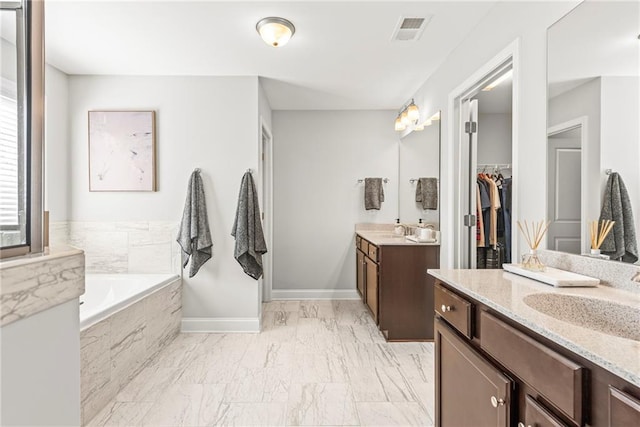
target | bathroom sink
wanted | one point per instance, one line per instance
(599, 315)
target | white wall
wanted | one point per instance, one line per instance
(494, 138)
(419, 157)
(205, 122)
(41, 369)
(526, 22)
(57, 170)
(318, 158)
(620, 135)
(8, 55)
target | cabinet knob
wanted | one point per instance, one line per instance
(495, 402)
(522, 425)
(446, 308)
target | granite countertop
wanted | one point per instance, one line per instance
(385, 238)
(505, 293)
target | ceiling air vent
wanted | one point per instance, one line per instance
(410, 28)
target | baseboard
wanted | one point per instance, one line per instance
(311, 294)
(221, 324)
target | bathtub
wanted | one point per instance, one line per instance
(105, 294)
(125, 320)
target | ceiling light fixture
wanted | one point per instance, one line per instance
(275, 31)
(408, 116)
(499, 80)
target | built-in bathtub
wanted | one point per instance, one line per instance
(125, 319)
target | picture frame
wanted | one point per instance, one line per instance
(122, 150)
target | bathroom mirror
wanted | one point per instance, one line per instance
(419, 157)
(593, 67)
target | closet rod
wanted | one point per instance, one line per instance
(494, 165)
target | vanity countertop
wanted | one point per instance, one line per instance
(505, 293)
(386, 238)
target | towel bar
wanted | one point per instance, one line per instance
(385, 180)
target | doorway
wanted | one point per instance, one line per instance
(485, 135)
(565, 207)
(266, 175)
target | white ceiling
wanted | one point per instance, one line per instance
(341, 56)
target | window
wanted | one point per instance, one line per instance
(21, 126)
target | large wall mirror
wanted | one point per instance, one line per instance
(419, 159)
(593, 125)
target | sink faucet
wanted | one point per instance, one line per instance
(636, 277)
(405, 229)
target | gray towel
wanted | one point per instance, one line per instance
(194, 236)
(427, 193)
(373, 193)
(621, 243)
(247, 229)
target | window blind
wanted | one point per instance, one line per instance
(9, 158)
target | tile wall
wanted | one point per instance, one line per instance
(122, 247)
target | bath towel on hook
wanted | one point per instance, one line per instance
(247, 229)
(194, 236)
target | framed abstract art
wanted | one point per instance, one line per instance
(122, 151)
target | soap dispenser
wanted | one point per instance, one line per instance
(398, 229)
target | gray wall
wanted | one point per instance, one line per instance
(494, 138)
(318, 158)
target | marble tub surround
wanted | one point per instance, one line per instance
(35, 283)
(611, 273)
(315, 363)
(508, 294)
(123, 246)
(114, 350)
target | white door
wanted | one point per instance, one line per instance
(564, 156)
(468, 155)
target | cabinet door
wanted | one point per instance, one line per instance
(371, 292)
(360, 272)
(624, 409)
(470, 391)
(537, 415)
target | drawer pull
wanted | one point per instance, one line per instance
(446, 308)
(495, 402)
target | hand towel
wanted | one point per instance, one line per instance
(194, 236)
(373, 193)
(620, 243)
(247, 229)
(427, 193)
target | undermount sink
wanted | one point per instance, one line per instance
(599, 315)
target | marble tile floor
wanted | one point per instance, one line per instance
(316, 363)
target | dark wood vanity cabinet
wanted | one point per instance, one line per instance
(484, 358)
(472, 391)
(393, 283)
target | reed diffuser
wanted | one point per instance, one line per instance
(599, 232)
(533, 234)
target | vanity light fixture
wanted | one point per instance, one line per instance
(275, 31)
(408, 116)
(499, 80)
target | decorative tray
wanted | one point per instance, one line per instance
(553, 276)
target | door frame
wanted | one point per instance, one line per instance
(453, 225)
(265, 151)
(582, 123)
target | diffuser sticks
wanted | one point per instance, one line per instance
(534, 232)
(599, 232)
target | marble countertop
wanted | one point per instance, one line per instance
(35, 283)
(382, 238)
(505, 293)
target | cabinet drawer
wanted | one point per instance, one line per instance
(364, 246)
(557, 378)
(539, 416)
(373, 252)
(624, 409)
(454, 309)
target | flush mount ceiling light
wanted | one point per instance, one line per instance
(275, 31)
